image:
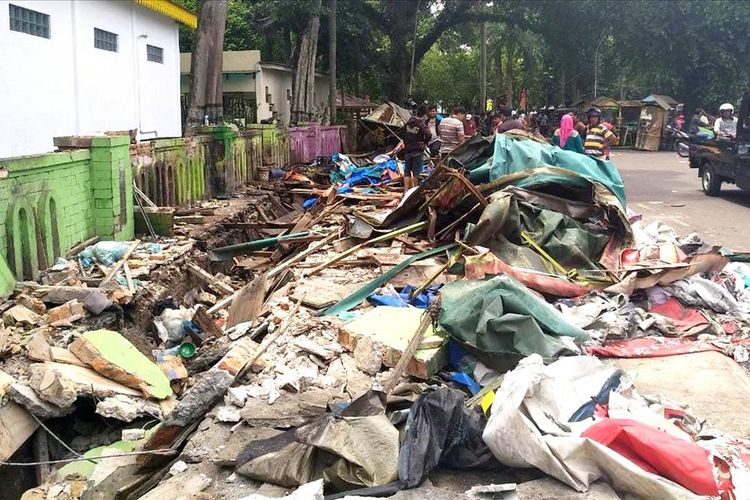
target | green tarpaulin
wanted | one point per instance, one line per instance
(514, 154)
(500, 316)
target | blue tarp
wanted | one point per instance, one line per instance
(422, 301)
(516, 154)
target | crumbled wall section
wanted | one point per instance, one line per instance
(45, 208)
(181, 171)
(112, 184)
(51, 202)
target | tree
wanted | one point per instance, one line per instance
(332, 61)
(206, 67)
(303, 89)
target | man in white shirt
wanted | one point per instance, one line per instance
(452, 130)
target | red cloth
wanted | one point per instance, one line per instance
(685, 463)
(683, 318)
(649, 347)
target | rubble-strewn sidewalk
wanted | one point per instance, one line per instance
(327, 334)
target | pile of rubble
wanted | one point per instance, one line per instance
(351, 340)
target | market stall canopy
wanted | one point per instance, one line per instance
(389, 114)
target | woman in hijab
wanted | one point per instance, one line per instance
(567, 137)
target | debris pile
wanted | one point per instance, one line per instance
(333, 335)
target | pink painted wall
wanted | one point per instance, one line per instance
(307, 142)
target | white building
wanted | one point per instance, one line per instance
(72, 67)
(265, 86)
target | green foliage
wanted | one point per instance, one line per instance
(448, 77)
(696, 51)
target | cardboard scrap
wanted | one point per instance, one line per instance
(112, 355)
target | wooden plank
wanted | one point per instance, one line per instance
(248, 301)
(408, 353)
(128, 277)
(81, 246)
(16, 426)
(209, 280)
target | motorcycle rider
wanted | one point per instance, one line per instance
(726, 124)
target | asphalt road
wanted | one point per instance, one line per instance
(662, 186)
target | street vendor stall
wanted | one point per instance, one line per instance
(653, 118)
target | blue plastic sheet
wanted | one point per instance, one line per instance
(422, 301)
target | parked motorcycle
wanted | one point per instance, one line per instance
(679, 140)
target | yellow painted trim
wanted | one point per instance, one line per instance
(171, 10)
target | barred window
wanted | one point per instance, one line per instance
(28, 21)
(105, 40)
(154, 53)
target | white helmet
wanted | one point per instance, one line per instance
(726, 107)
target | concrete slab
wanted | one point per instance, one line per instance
(713, 385)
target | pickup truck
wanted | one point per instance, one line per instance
(724, 160)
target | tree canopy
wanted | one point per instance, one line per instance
(693, 50)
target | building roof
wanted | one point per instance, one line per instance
(241, 62)
(605, 102)
(630, 104)
(233, 61)
(663, 101)
(349, 101)
(172, 10)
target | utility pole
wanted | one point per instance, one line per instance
(483, 64)
(332, 60)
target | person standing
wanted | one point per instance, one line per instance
(598, 137)
(567, 137)
(433, 122)
(451, 130)
(417, 136)
(506, 121)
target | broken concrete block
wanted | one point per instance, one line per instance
(133, 434)
(31, 303)
(112, 355)
(291, 410)
(53, 380)
(19, 315)
(96, 302)
(5, 382)
(179, 487)
(177, 467)
(313, 347)
(126, 409)
(26, 397)
(368, 355)
(38, 349)
(228, 414)
(16, 426)
(393, 327)
(66, 313)
(236, 396)
(52, 385)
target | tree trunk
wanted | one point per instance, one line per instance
(303, 91)
(509, 75)
(498, 77)
(332, 61)
(562, 86)
(399, 17)
(206, 67)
